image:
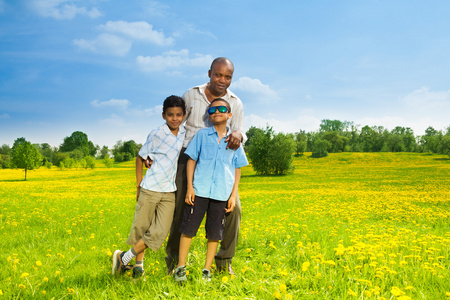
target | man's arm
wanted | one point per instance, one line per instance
(232, 199)
(190, 194)
(237, 136)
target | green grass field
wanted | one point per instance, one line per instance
(348, 226)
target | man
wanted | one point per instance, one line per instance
(197, 101)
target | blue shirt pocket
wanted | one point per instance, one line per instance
(208, 151)
(227, 156)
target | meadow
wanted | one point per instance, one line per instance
(347, 226)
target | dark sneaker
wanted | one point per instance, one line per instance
(118, 266)
(206, 275)
(138, 272)
(180, 274)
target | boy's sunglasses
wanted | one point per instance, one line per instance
(222, 109)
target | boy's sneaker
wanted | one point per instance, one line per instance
(180, 274)
(206, 275)
(138, 272)
(118, 266)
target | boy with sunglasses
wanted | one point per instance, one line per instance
(213, 174)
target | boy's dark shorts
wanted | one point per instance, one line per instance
(215, 218)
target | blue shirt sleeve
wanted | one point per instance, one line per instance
(240, 159)
(193, 149)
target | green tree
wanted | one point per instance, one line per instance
(258, 150)
(271, 153)
(250, 134)
(77, 141)
(300, 142)
(320, 148)
(337, 142)
(281, 148)
(125, 151)
(5, 156)
(26, 157)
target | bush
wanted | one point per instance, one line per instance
(90, 162)
(269, 153)
(320, 148)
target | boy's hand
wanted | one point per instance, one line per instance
(190, 196)
(148, 162)
(231, 204)
(234, 140)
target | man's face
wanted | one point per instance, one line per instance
(220, 76)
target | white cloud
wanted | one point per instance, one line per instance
(172, 59)
(425, 98)
(113, 121)
(4, 116)
(119, 103)
(138, 31)
(62, 9)
(146, 112)
(261, 91)
(105, 44)
(306, 121)
(117, 37)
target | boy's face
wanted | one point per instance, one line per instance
(218, 117)
(174, 117)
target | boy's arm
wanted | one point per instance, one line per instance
(139, 172)
(232, 199)
(190, 194)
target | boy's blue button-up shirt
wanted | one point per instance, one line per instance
(215, 169)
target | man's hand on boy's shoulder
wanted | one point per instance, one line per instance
(234, 140)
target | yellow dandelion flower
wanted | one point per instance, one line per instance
(305, 266)
(1, 293)
(277, 295)
(45, 279)
(57, 273)
(224, 279)
(447, 294)
(396, 291)
(61, 280)
(283, 287)
(38, 263)
(22, 286)
(404, 298)
(70, 290)
(249, 250)
(44, 293)
(352, 293)
(24, 275)
(109, 253)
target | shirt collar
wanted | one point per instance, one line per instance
(167, 131)
(212, 130)
(227, 96)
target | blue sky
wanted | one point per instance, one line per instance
(104, 67)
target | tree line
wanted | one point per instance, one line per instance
(269, 152)
(76, 151)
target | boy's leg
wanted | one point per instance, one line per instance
(230, 238)
(192, 218)
(173, 243)
(211, 250)
(160, 226)
(185, 244)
